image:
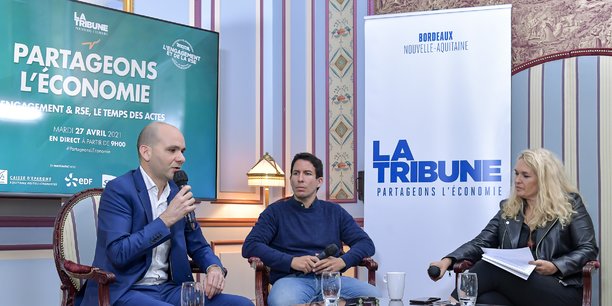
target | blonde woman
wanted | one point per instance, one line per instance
(545, 213)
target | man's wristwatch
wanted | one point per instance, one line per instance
(223, 269)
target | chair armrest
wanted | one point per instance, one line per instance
(103, 278)
(87, 272)
(461, 266)
(587, 281)
(262, 281)
(195, 268)
(257, 264)
(589, 267)
(370, 264)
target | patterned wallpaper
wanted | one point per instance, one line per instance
(340, 102)
(539, 27)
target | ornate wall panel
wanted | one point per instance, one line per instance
(341, 136)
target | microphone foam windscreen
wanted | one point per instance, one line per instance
(331, 250)
(433, 271)
(180, 178)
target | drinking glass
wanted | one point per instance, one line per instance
(330, 287)
(468, 288)
(192, 294)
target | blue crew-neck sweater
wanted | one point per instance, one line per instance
(287, 229)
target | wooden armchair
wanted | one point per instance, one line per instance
(262, 277)
(587, 284)
(74, 244)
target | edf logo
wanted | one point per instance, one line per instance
(400, 166)
(72, 181)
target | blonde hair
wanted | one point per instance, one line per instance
(554, 188)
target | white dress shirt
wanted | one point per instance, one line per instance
(158, 270)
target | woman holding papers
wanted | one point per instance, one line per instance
(546, 214)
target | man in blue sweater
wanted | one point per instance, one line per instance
(291, 232)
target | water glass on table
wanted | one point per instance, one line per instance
(192, 294)
(330, 287)
(468, 288)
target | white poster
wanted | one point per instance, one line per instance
(437, 135)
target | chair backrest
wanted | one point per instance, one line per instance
(75, 233)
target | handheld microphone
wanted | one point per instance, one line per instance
(330, 250)
(180, 178)
(433, 271)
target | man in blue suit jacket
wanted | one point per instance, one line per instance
(142, 234)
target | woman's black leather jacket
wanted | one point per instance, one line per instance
(568, 247)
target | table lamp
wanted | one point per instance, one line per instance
(266, 173)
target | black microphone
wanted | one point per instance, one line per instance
(330, 250)
(433, 271)
(180, 178)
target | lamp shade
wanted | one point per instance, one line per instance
(266, 172)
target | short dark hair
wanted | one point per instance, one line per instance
(315, 161)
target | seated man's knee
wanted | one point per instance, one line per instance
(289, 291)
(352, 287)
(240, 301)
(229, 300)
(369, 290)
(285, 297)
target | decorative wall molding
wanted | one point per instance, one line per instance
(215, 243)
(341, 107)
(240, 222)
(285, 107)
(227, 222)
(22, 221)
(228, 192)
(561, 55)
(25, 247)
(195, 13)
(237, 201)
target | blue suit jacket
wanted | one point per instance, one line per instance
(127, 234)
